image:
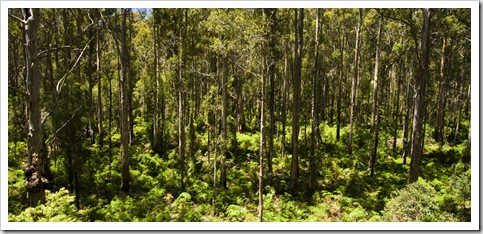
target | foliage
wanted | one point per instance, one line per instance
(59, 207)
(415, 203)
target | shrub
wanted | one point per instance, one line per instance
(417, 203)
(59, 207)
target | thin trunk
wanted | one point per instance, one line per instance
(409, 101)
(271, 70)
(355, 81)
(124, 104)
(438, 135)
(294, 172)
(99, 92)
(91, 107)
(284, 97)
(375, 114)
(339, 89)
(156, 87)
(109, 128)
(215, 143)
(262, 132)
(416, 148)
(181, 108)
(376, 75)
(240, 114)
(396, 109)
(224, 134)
(315, 123)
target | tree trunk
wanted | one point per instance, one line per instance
(34, 169)
(294, 172)
(99, 92)
(374, 124)
(181, 103)
(271, 69)
(416, 148)
(355, 81)
(91, 107)
(284, 97)
(376, 75)
(224, 135)
(262, 132)
(409, 101)
(124, 104)
(396, 109)
(240, 114)
(314, 114)
(440, 102)
(156, 87)
(339, 89)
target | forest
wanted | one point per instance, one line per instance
(239, 115)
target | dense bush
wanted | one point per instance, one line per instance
(59, 207)
(417, 202)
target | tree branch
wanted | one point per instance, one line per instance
(58, 88)
(49, 50)
(15, 17)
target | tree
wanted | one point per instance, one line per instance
(123, 80)
(421, 79)
(35, 168)
(299, 20)
(314, 109)
(355, 79)
(375, 115)
(181, 95)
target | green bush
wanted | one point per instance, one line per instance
(59, 207)
(417, 202)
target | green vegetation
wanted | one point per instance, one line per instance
(179, 114)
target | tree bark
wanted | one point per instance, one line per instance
(99, 92)
(224, 134)
(314, 114)
(294, 172)
(181, 104)
(124, 104)
(374, 124)
(409, 101)
(355, 79)
(440, 101)
(262, 132)
(271, 69)
(376, 75)
(339, 88)
(34, 169)
(416, 148)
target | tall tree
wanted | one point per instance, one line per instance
(224, 130)
(441, 100)
(123, 80)
(374, 124)
(421, 79)
(100, 117)
(262, 146)
(355, 79)
(181, 95)
(35, 168)
(314, 109)
(299, 22)
(272, 21)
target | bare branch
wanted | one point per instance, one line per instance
(58, 88)
(15, 17)
(49, 50)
